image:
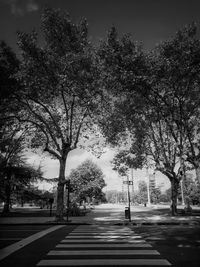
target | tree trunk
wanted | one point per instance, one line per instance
(197, 170)
(6, 207)
(174, 196)
(60, 191)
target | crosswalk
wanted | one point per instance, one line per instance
(95, 245)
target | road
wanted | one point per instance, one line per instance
(101, 243)
(179, 244)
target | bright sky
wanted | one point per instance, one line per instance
(76, 157)
(149, 22)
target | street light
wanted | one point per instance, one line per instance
(129, 201)
(131, 156)
(68, 191)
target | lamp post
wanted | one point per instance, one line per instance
(68, 191)
(129, 201)
(148, 187)
(128, 198)
(182, 195)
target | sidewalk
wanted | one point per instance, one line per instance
(112, 215)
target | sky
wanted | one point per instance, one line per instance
(148, 21)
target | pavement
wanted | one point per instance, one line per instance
(110, 214)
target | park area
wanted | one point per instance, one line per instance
(107, 213)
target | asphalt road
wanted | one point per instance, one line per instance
(108, 243)
(33, 252)
(180, 245)
(14, 233)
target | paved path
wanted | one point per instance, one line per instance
(97, 245)
(112, 214)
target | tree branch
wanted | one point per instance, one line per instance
(44, 122)
(54, 121)
(71, 117)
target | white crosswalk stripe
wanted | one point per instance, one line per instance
(108, 245)
(103, 245)
(104, 252)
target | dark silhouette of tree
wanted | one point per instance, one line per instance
(61, 94)
(154, 100)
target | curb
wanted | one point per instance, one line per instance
(138, 224)
(46, 223)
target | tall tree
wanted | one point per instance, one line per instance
(9, 65)
(143, 98)
(175, 85)
(61, 92)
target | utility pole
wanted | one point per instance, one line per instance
(128, 209)
(129, 201)
(68, 192)
(132, 181)
(148, 187)
(182, 195)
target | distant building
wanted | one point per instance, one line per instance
(152, 182)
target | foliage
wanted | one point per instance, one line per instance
(9, 66)
(155, 195)
(128, 158)
(16, 178)
(154, 99)
(123, 73)
(114, 196)
(175, 80)
(191, 190)
(142, 192)
(87, 181)
(61, 95)
(60, 82)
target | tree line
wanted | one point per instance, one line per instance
(190, 190)
(67, 93)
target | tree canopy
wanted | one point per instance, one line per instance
(87, 180)
(60, 93)
(154, 100)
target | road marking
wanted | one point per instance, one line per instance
(107, 229)
(102, 252)
(10, 238)
(115, 262)
(98, 240)
(103, 245)
(4, 252)
(19, 230)
(100, 233)
(103, 237)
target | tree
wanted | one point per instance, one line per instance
(114, 196)
(155, 195)
(191, 190)
(9, 65)
(166, 198)
(11, 157)
(87, 181)
(154, 95)
(174, 95)
(16, 177)
(60, 95)
(176, 86)
(142, 192)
